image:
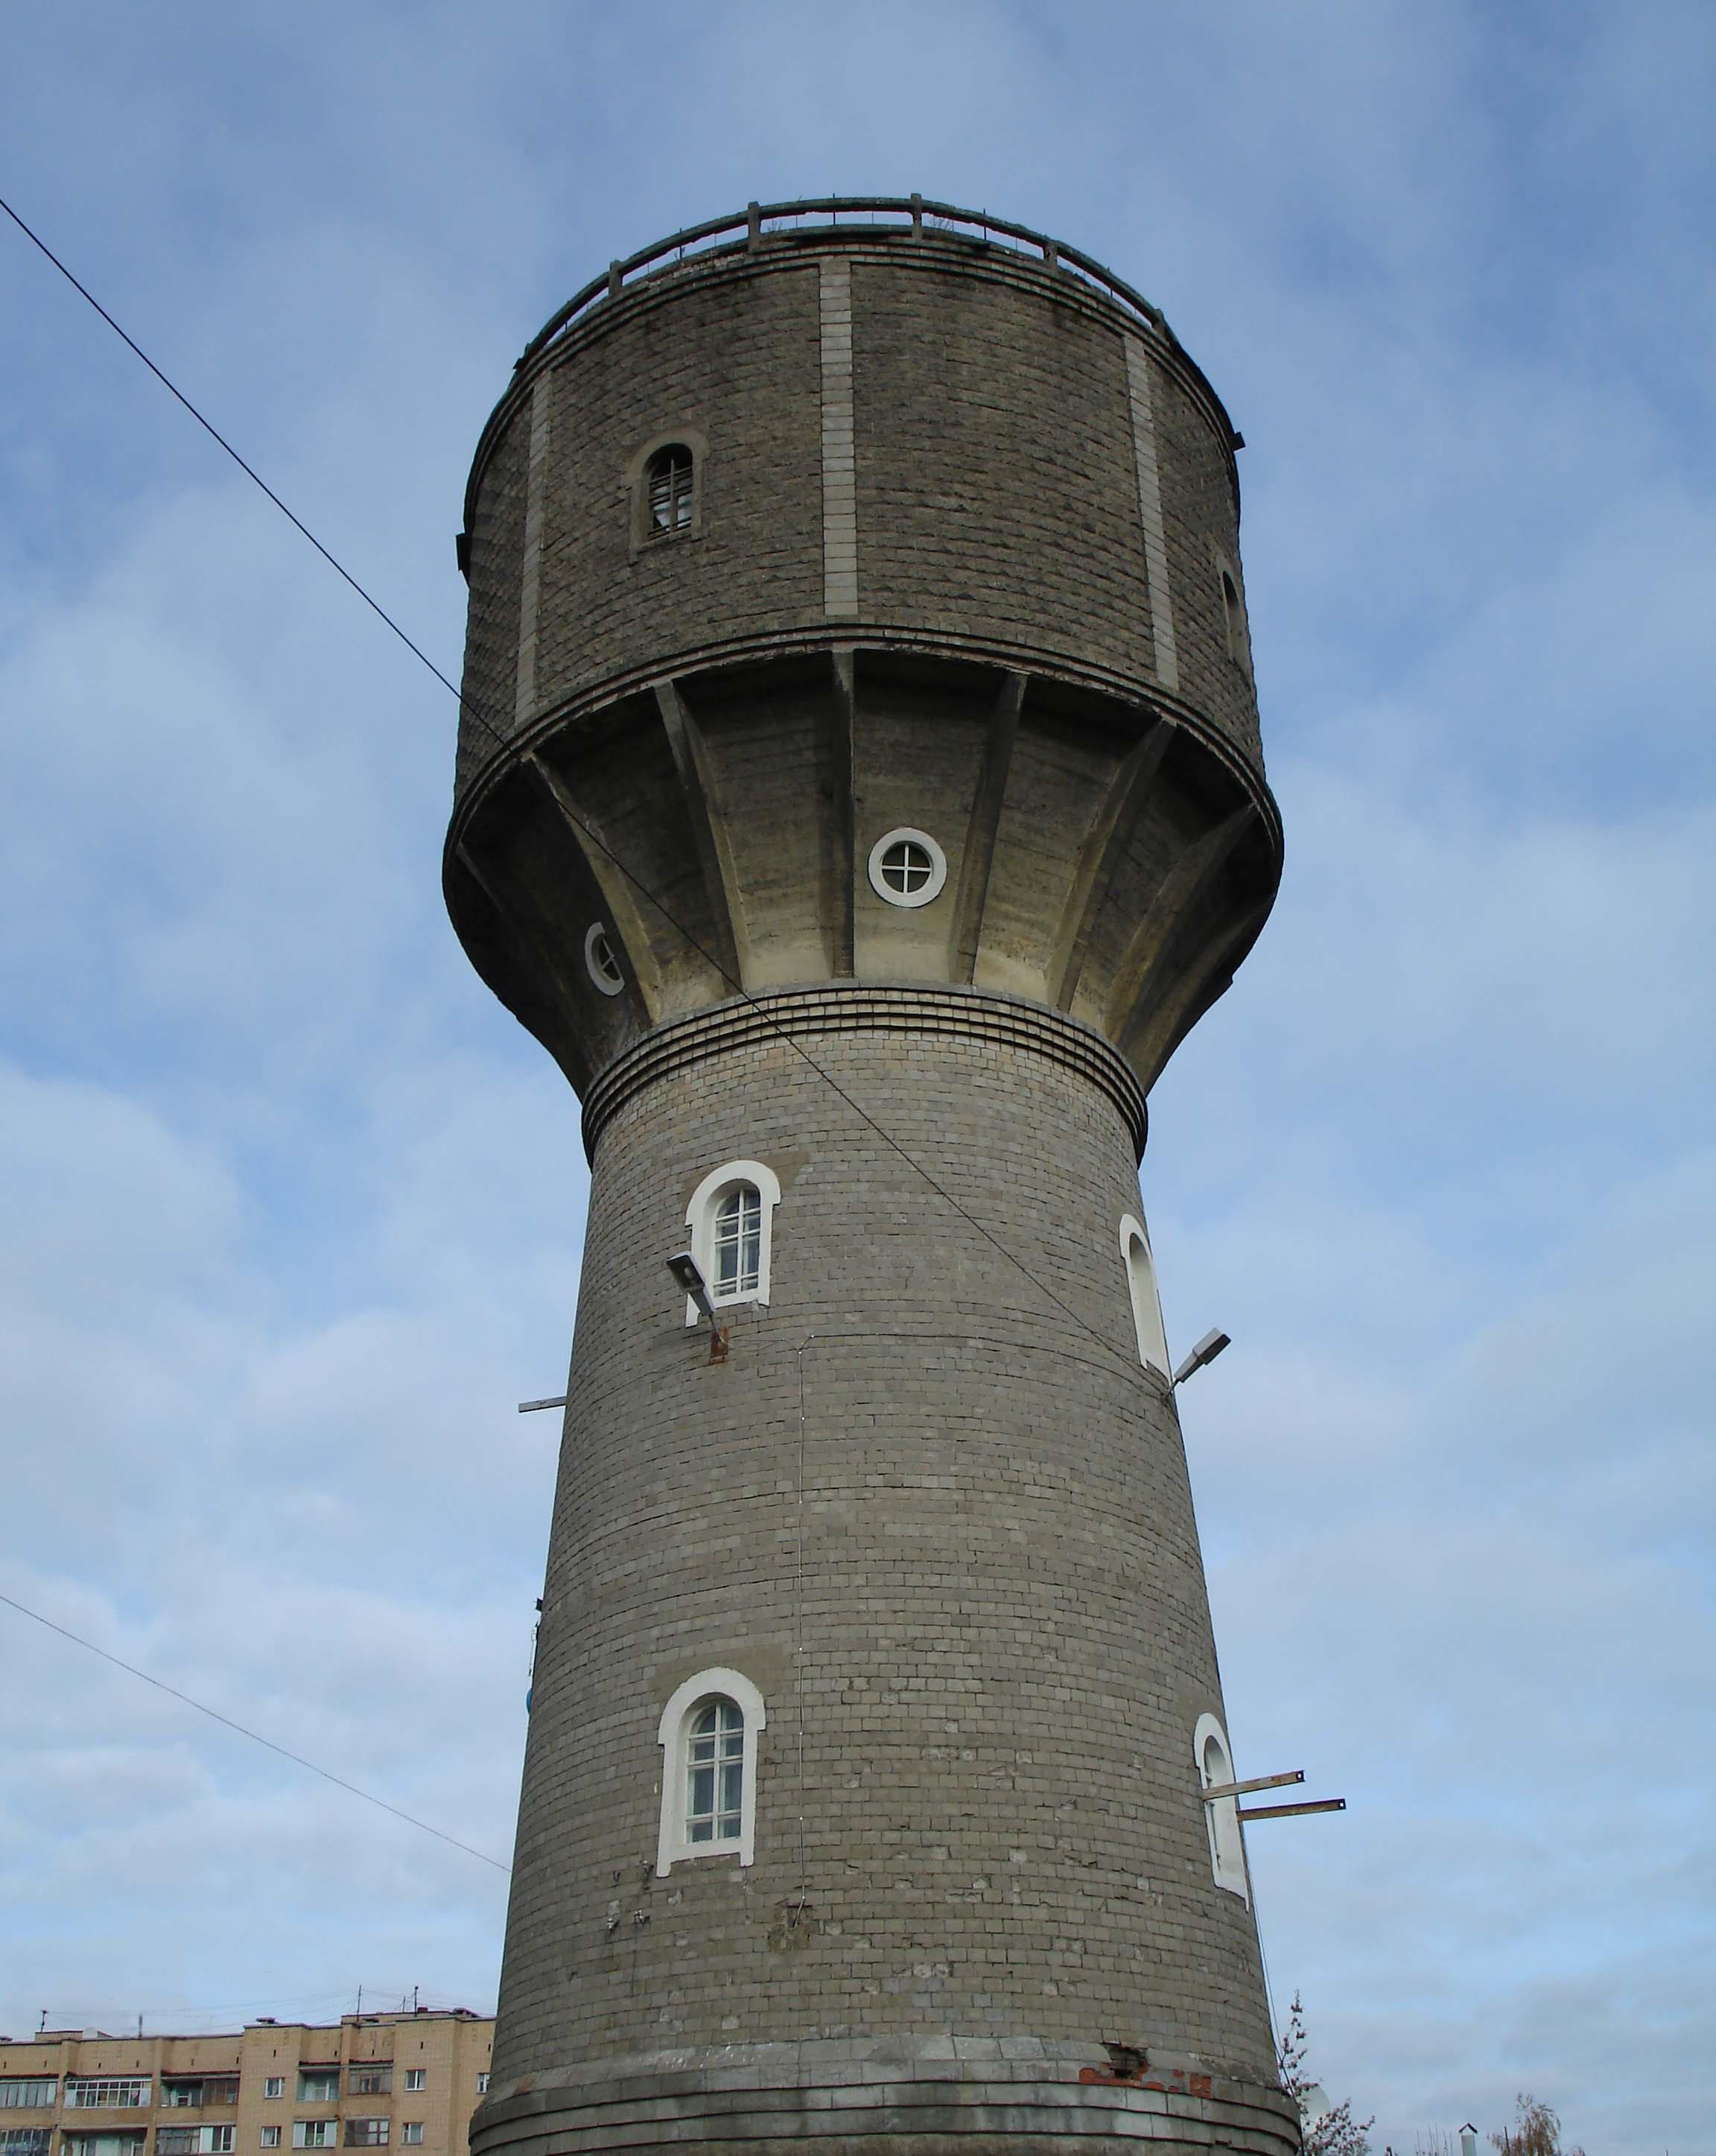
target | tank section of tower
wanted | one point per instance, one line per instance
(860, 796)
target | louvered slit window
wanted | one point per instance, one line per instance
(667, 481)
(738, 1241)
(714, 1772)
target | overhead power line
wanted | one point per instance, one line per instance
(214, 1714)
(593, 836)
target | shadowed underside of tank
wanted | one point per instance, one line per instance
(1101, 860)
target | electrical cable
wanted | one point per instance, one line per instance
(594, 837)
(215, 1715)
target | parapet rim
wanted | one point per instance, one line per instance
(768, 233)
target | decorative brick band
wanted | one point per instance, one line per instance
(1011, 2092)
(854, 1007)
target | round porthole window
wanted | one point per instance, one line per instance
(599, 958)
(907, 868)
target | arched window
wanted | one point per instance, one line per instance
(668, 480)
(1215, 1770)
(709, 1736)
(1233, 620)
(731, 1219)
(1141, 1289)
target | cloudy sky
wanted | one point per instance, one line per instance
(291, 1210)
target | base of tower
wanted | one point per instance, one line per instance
(896, 2096)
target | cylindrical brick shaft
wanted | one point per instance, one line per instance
(818, 543)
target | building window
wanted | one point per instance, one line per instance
(417, 2077)
(411, 2133)
(318, 2086)
(32, 2093)
(193, 2141)
(271, 2136)
(370, 2080)
(669, 480)
(482, 2084)
(93, 2095)
(104, 2145)
(731, 1220)
(907, 868)
(738, 1242)
(708, 1735)
(275, 2085)
(26, 2140)
(1215, 1770)
(366, 2133)
(1141, 1291)
(1235, 626)
(315, 2133)
(600, 962)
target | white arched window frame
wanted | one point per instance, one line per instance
(1141, 1289)
(702, 1216)
(675, 1737)
(1215, 1767)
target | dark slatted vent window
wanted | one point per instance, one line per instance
(669, 479)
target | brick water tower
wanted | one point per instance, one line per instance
(860, 796)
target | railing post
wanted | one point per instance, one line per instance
(917, 216)
(753, 223)
(614, 280)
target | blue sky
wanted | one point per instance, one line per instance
(292, 1209)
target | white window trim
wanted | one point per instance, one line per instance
(1226, 1836)
(1146, 1314)
(610, 984)
(938, 869)
(700, 1219)
(671, 1847)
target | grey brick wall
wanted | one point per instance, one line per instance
(994, 1636)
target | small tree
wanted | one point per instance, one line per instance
(1536, 2131)
(1337, 2132)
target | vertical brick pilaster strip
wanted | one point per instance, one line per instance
(1150, 512)
(524, 701)
(840, 591)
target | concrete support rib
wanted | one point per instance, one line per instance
(840, 584)
(1092, 873)
(981, 826)
(709, 832)
(839, 866)
(617, 892)
(1150, 512)
(524, 693)
(1175, 900)
(1153, 1037)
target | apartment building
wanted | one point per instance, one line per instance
(371, 2080)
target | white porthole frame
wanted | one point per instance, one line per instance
(700, 1219)
(1143, 1296)
(610, 984)
(1226, 1837)
(938, 868)
(671, 1847)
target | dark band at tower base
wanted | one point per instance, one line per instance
(860, 797)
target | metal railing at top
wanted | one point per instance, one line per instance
(907, 215)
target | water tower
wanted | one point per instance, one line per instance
(860, 796)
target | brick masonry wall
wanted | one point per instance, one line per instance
(737, 363)
(997, 498)
(970, 1581)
